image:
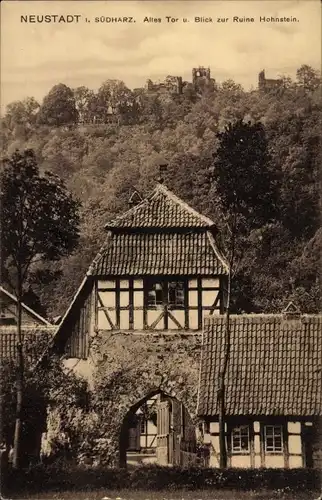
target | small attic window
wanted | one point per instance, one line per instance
(162, 172)
(7, 319)
(291, 312)
(135, 199)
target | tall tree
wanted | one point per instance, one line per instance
(308, 78)
(21, 113)
(246, 195)
(231, 87)
(39, 223)
(112, 96)
(58, 107)
(83, 100)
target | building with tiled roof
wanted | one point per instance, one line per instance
(155, 294)
(162, 209)
(34, 327)
(158, 273)
(34, 341)
(273, 389)
(159, 269)
(8, 311)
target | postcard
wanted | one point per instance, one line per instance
(160, 298)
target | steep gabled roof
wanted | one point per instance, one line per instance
(161, 235)
(162, 209)
(162, 253)
(274, 367)
(25, 307)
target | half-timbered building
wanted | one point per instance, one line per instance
(34, 326)
(159, 269)
(273, 399)
(156, 290)
(9, 311)
(159, 272)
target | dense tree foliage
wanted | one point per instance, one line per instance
(48, 387)
(39, 219)
(58, 107)
(123, 135)
(39, 223)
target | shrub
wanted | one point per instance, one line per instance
(46, 388)
(156, 477)
(66, 476)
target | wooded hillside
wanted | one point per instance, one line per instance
(107, 143)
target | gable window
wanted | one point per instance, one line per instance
(176, 294)
(6, 316)
(240, 439)
(273, 438)
(155, 294)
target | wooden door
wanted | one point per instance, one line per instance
(163, 433)
(176, 430)
(134, 436)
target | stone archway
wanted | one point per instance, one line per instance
(173, 438)
(129, 368)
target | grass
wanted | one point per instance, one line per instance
(167, 495)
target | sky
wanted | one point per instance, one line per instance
(36, 56)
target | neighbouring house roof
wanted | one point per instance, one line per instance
(38, 319)
(35, 339)
(162, 209)
(274, 367)
(191, 253)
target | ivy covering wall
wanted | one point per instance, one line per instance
(122, 371)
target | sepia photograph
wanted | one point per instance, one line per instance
(161, 250)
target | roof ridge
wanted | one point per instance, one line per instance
(164, 189)
(128, 212)
(170, 196)
(256, 315)
(27, 328)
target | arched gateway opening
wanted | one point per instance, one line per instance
(157, 429)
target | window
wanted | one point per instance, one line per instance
(162, 292)
(143, 426)
(176, 293)
(240, 439)
(7, 317)
(155, 294)
(273, 438)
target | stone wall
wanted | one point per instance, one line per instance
(124, 369)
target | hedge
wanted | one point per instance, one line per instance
(60, 477)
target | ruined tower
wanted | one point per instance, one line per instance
(200, 73)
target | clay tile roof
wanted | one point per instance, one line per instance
(160, 235)
(31, 335)
(162, 209)
(275, 366)
(188, 253)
